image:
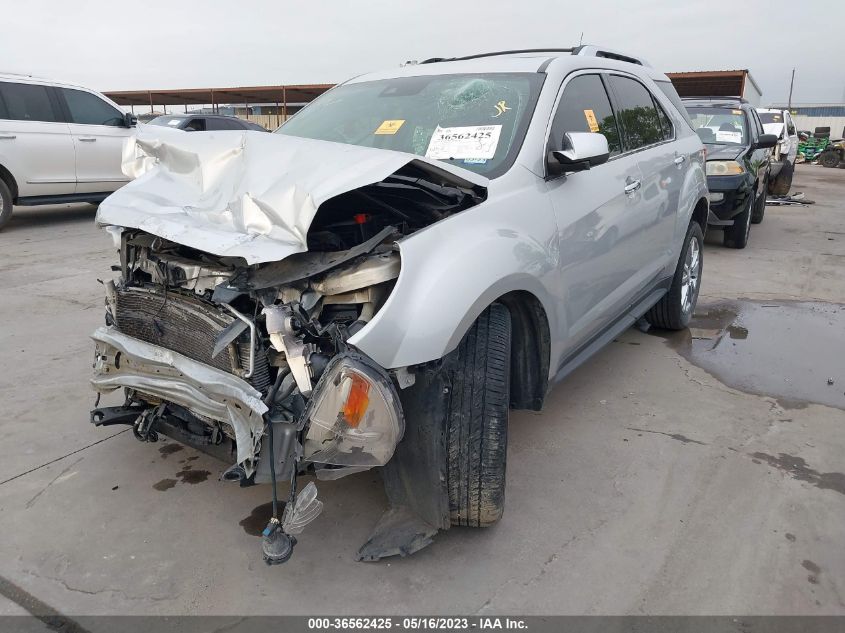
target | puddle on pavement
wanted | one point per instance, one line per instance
(787, 350)
(169, 449)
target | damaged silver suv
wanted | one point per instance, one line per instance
(409, 257)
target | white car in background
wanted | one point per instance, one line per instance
(59, 143)
(780, 123)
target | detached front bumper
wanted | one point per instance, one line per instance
(728, 197)
(124, 361)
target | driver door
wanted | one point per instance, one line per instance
(597, 212)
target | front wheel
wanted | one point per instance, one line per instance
(5, 204)
(760, 204)
(675, 309)
(477, 422)
(736, 236)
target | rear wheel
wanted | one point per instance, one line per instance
(5, 204)
(675, 309)
(477, 425)
(829, 159)
(736, 236)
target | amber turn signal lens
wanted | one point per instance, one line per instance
(357, 400)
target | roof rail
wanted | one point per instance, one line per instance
(434, 60)
(586, 50)
(589, 50)
(716, 98)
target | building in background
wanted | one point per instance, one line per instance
(717, 83)
(809, 116)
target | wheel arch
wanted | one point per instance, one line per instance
(7, 177)
(530, 349)
(699, 213)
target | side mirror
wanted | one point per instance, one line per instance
(129, 120)
(766, 140)
(581, 150)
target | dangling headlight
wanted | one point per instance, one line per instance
(354, 416)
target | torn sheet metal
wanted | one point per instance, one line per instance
(124, 361)
(246, 194)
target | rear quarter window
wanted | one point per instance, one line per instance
(27, 102)
(669, 90)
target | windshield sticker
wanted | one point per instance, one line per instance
(736, 111)
(475, 161)
(174, 122)
(723, 136)
(471, 141)
(591, 120)
(390, 126)
(501, 108)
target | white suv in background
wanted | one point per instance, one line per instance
(58, 143)
(780, 123)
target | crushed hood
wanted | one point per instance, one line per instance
(247, 194)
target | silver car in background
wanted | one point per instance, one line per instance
(409, 257)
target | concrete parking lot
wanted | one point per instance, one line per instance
(697, 473)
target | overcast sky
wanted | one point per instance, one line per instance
(114, 45)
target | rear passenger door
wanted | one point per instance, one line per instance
(647, 138)
(596, 212)
(35, 143)
(98, 135)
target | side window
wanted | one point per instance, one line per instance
(223, 124)
(584, 107)
(758, 126)
(27, 102)
(636, 112)
(89, 109)
(195, 125)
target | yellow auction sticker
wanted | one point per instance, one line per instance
(391, 126)
(591, 120)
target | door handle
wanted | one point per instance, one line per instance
(87, 139)
(680, 159)
(632, 186)
(8, 137)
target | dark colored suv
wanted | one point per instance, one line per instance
(205, 122)
(738, 153)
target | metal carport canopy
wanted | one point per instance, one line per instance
(292, 94)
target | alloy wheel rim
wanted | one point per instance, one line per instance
(690, 275)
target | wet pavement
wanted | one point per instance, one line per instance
(792, 351)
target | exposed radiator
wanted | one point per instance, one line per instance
(187, 326)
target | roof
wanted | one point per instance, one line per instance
(712, 82)
(521, 61)
(298, 93)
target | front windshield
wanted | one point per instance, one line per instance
(473, 121)
(770, 117)
(724, 126)
(168, 120)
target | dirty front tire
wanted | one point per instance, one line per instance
(5, 204)
(670, 313)
(783, 181)
(477, 423)
(759, 209)
(736, 236)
